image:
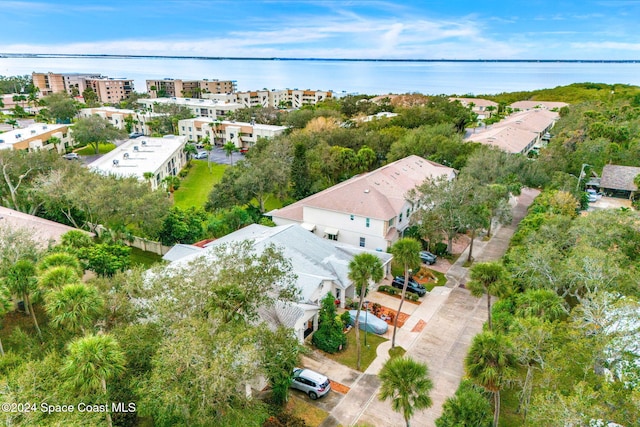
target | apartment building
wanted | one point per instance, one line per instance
(118, 117)
(109, 90)
(290, 98)
(167, 88)
(37, 137)
(243, 135)
(160, 156)
(199, 107)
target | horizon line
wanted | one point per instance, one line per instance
(243, 58)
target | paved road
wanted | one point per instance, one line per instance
(453, 317)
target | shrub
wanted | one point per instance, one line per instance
(440, 248)
(329, 336)
(346, 318)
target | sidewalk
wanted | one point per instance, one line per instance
(438, 332)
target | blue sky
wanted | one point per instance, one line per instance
(535, 29)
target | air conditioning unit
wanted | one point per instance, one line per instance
(144, 143)
(116, 162)
(125, 156)
(135, 148)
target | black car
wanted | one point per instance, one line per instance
(413, 286)
(428, 257)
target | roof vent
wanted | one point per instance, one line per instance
(116, 162)
(135, 148)
(144, 142)
(125, 156)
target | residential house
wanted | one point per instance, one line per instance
(537, 105)
(167, 88)
(618, 181)
(37, 137)
(243, 135)
(369, 210)
(199, 107)
(482, 107)
(45, 233)
(518, 133)
(321, 268)
(161, 157)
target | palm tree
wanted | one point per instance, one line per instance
(363, 268)
(406, 252)
(149, 176)
(190, 150)
(57, 276)
(74, 307)
(5, 306)
(208, 147)
(230, 148)
(21, 280)
(12, 122)
(92, 361)
(488, 278)
(407, 384)
(60, 259)
(487, 364)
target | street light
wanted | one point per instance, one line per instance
(580, 176)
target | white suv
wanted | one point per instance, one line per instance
(312, 383)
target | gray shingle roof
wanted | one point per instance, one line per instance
(619, 177)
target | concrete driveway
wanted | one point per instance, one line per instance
(439, 333)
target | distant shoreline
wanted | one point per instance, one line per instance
(218, 58)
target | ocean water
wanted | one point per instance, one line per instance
(362, 77)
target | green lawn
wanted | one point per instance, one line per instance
(349, 356)
(147, 259)
(195, 187)
(88, 150)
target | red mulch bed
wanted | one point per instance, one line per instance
(419, 326)
(340, 388)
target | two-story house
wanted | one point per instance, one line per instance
(369, 210)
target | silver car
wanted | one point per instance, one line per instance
(310, 382)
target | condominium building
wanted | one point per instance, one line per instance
(167, 88)
(199, 107)
(290, 98)
(37, 137)
(161, 157)
(109, 90)
(118, 117)
(243, 135)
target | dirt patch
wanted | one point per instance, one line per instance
(340, 388)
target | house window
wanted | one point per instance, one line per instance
(408, 211)
(332, 237)
(368, 222)
(362, 241)
(351, 217)
(391, 222)
(400, 218)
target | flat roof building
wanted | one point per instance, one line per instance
(109, 90)
(243, 135)
(167, 88)
(199, 107)
(37, 137)
(160, 156)
(118, 117)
